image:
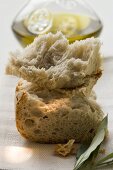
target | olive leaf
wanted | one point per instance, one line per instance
(97, 140)
(106, 161)
(81, 150)
(104, 165)
(89, 164)
(110, 156)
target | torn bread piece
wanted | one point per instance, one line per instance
(65, 149)
(51, 62)
(55, 116)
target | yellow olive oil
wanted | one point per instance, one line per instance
(73, 26)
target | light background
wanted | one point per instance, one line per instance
(14, 151)
(9, 8)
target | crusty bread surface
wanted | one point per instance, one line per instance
(55, 116)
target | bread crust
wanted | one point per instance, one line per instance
(55, 116)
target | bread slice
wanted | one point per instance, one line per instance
(51, 62)
(55, 116)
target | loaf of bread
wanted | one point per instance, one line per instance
(54, 99)
(55, 116)
(51, 62)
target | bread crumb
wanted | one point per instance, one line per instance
(102, 151)
(65, 149)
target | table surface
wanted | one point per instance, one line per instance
(10, 141)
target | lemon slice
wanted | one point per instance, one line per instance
(39, 21)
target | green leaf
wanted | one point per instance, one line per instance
(81, 150)
(89, 163)
(110, 156)
(97, 140)
(104, 164)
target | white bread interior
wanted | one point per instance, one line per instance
(51, 62)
